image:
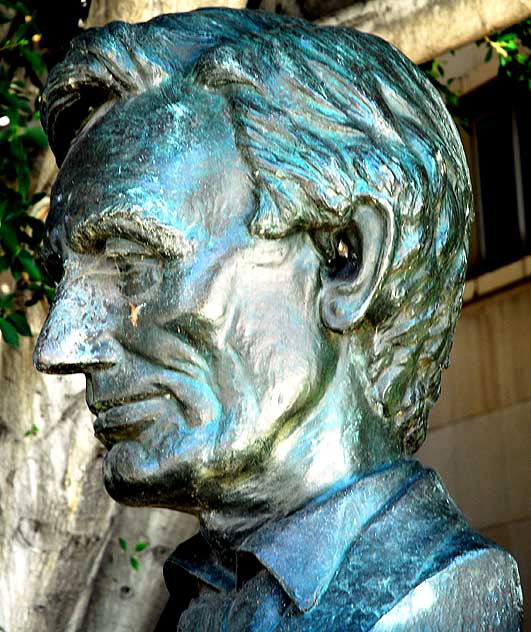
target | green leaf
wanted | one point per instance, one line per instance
(29, 265)
(33, 59)
(8, 238)
(34, 287)
(123, 544)
(36, 136)
(16, 214)
(134, 562)
(32, 431)
(452, 100)
(50, 293)
(19, 322)
(36, 197)
(9, 333)
(140, 546)
(6, 300)
(508, 37)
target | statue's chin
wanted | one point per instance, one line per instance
(132, 476)
(125, 472)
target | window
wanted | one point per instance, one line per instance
(498, 146)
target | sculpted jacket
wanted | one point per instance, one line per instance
(388, 553)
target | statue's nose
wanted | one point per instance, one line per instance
(75, 337)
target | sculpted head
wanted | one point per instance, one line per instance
(259, 231)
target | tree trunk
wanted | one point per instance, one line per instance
(62, 566)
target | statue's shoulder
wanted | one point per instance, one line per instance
(418, 566)
(452, 577)
(477, 590)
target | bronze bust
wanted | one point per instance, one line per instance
(259, 234)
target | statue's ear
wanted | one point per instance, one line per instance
(355, 259)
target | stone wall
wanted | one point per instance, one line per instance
(480, 430)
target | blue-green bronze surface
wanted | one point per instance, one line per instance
(259, 233)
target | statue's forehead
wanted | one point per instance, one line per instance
(143, 130)
(151, 160)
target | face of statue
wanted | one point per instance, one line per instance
(201, 344)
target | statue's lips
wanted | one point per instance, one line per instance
(127, 421)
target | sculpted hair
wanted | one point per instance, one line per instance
(326, 118)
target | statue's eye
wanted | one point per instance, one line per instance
(138, 276)
(139, 271)
(116, 247)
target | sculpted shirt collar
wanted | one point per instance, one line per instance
(303, 550)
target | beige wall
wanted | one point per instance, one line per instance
(480, 430)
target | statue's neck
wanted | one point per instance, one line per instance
(339, 440)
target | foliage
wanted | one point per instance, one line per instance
(435, 73)
(32, 432)
(512, 47)
(139, 547)
(21, 138)
(434, 70)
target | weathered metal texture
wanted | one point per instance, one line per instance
(259, 233)
(406, 560)
(424, 29)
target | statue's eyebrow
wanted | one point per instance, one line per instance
(163, 239)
